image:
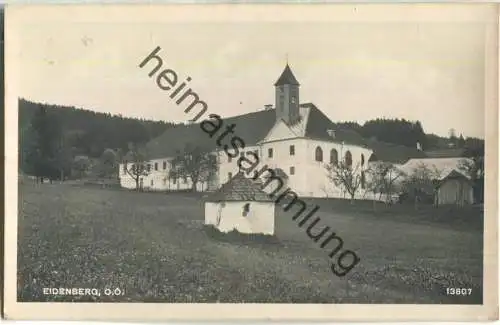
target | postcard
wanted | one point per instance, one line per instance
(251, 162)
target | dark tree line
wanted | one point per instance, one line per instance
(56, 141)
(90, 133)
(408, 133)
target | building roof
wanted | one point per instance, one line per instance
(318, 125)
(287, 78)
(454, 174)
(394, 153)
(445, 153)
(240, 188)
(444, 166)
(251, 128)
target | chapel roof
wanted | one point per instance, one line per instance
(240, 188)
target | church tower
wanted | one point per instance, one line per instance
(287, 97)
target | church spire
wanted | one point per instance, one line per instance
(287, 77)
(287, 97)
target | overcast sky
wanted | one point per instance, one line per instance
(427, 71)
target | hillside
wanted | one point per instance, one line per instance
(90, 133)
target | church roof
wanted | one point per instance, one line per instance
(240, 188)
(287, 78)
(251, 128)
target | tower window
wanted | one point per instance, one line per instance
(293, 99)
(292, 150)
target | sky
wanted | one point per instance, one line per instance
(432, 71)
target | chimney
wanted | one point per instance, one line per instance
(268, 107)
(331, 133)
(419, 146)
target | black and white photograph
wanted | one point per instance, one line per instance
(236, 155)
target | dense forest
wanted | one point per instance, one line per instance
(90, 133)
(409, 133)
(60, 141)
(55, 140)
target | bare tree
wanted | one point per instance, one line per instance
(136, 164)
(383, 179)
(345, 176)
(421, 183)
(193, 163)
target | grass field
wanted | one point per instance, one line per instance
(152, 246)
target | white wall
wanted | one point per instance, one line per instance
(259, 220)
(158, 180)
(282, 159)
(226, 167)
(309, 180)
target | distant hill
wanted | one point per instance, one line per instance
(407, 133)
(90, 133)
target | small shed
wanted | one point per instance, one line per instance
(241, 205)
(455, 188)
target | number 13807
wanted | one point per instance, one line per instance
(458, 291)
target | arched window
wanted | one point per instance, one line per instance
(334, 157)
(348, 159)
(318, 154)
(362, 160)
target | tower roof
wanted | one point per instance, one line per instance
(287, 78)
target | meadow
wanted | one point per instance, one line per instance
(152, 246)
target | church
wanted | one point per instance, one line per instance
(295, 139)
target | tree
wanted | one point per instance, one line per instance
(473, 167)
(461, 141)
(345, 176)
(42, 145)
(63, 160)
(107, 166)
(383, 177)
(420, 184)
(193, 163)
(135, 166)
(80, 166)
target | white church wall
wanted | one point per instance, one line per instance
(318, 184)
(229, 167)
